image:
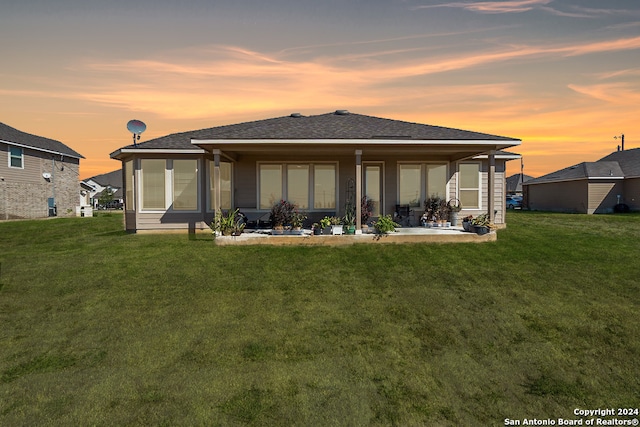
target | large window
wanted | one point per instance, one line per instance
(324, 183)
(469, 185)
(373, 186)
(270, 185)
(128, 198)
(16, 157)
(310, 186)
(152, 175)
(185, 185)
(225, 185)
(420, 181)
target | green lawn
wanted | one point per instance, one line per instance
(98, 327)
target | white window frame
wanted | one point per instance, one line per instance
(423, 180)
(479, 188)
(168, 186)
(10, 156)
(311, 191)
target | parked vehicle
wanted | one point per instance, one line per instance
(514, 202)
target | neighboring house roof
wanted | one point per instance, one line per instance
(113, 179)
(332, 126)
(16, 137)
(629, 161)
(118, 194)
(514, 182)
(585, 170)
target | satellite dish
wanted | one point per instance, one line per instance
(46, 175)
(136, 127)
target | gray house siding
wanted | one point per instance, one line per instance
(632, 193)
(602, 196)
(567, 196)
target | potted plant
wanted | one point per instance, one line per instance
(297, 219)
(366, 211)
(454, 207)
(336, 226)
(385, 224)
(481, 224)
(231, 224)
(432, 210)
(315, 229)
(350, 218)
(325, 225)
(280, 215)
(466, 223)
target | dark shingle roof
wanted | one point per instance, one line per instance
(9, 134)
(514, 182)
(113, 179)
(629, 161)
(323, 126)
(584, 170)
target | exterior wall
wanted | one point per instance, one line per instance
(24, 192)
(245, 188)
(568, 196)
(603, 195)
(631, 192)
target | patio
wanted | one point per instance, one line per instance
(402, 235)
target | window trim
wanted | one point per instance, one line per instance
(423, 179)
(479, 188)
(311, 184)
(209, 178)
(168, 186)
(381, 164)
(11, 156)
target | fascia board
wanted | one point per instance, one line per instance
(44, 150)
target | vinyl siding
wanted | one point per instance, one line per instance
(568, 196)
(632, 193)
(602, 196)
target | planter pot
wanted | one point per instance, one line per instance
(326, 230)
(453, 216)
(480, 229)
(277, 231)
(317, 231)
(351, 229)
(296, 231)
(466, 225)
(336, 230)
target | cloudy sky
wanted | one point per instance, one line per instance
(562, 75)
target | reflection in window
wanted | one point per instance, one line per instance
(153, 183)
(298, 185)
(15, 157)
(324, 194)
(270, 185)
(437, 180)
(410, 185)
(185, 185)
(469, 185)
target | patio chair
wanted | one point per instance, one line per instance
(403, 215)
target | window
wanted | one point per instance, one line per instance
(270, 185)
(324, 187)
(185, 185)
(225, 185)
(128, 173)
(293, 181)
(469, 185)
(152, 175)
(373, 186)
(420, 181)
(298, 185)
(16, 157)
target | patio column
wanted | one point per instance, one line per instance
(358, 191)
(491, 191)
(216, 180)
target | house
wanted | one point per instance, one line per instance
(514, 184)
(38, 176)
(318, 162)
(111, 181)
(589, 187)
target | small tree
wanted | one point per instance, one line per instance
(106, 197)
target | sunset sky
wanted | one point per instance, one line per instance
(562, 75)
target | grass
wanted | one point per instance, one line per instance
(98, 327)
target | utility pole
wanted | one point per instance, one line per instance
(621, 142)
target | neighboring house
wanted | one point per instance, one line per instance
(107, 181)
(38, 176)
(589, 187)
(318, 162)
(514, 184)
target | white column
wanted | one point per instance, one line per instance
(358, 191)
(216, 180)
(491, 191)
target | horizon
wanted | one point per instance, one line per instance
(560, 75)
